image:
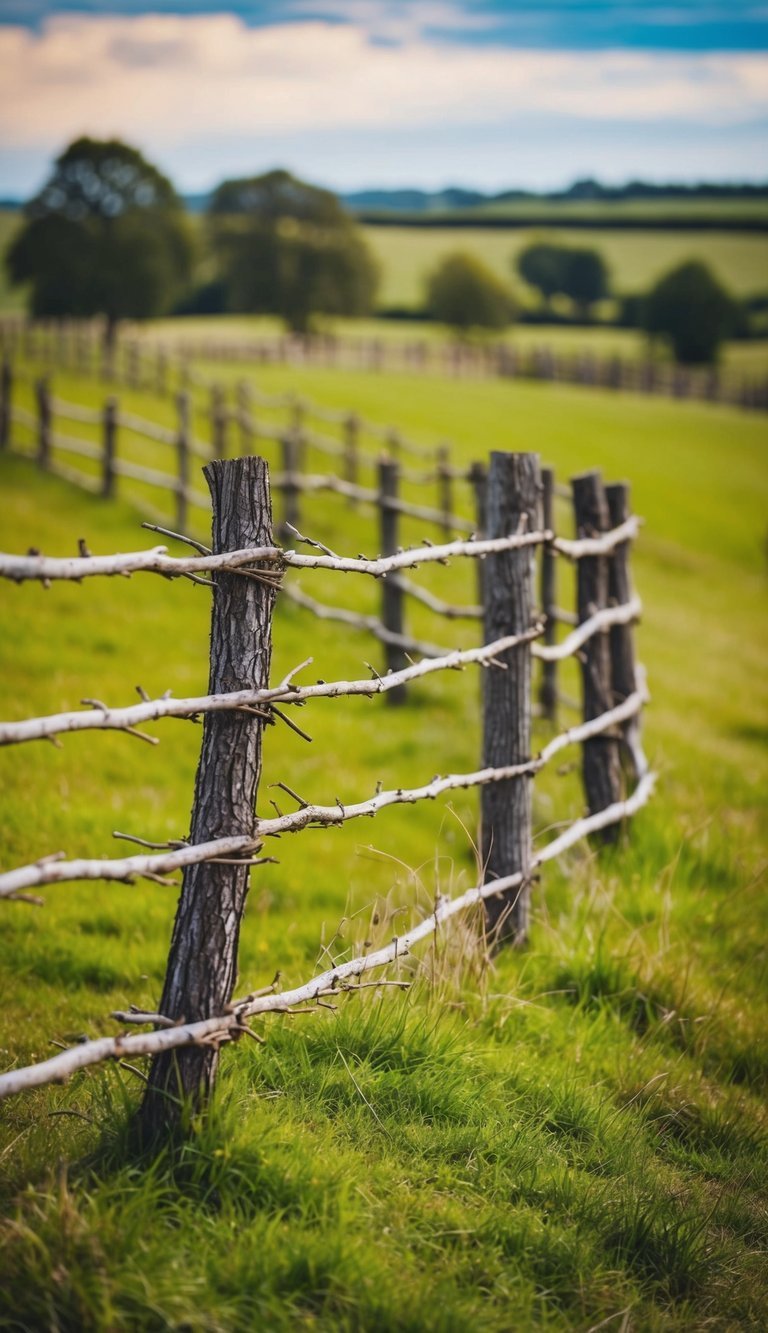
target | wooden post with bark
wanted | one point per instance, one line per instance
(478, 480)
(43, 397)
(548, 586)
(513, 506)
(182, 461)
(202, 963)
(624, 674)
(392, 596)
(290, 447)
(6, 395)
(109, 441)
(218, 422)
(445, 487)
(600, 759)
(351, 445)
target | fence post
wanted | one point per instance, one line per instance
(202, 963)
(624, 674)
(478, 480)
(548, 585)
(109, 439)
(392, 599)
(290, 447)
(445, 487)
(351, 440)
(43, 396)
(513, 506)
(182, 457)
(600, 760)
(218, 421)
(6, 392)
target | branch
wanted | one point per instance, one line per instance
(226, 1026)
(50, 870)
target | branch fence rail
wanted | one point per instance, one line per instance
(246, 570)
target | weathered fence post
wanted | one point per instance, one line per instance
(392, 598)
(478, 480)
(109, 440)
(351, 439)
(548, 585)
(290, 448)
(202, 963)
(445, 487)
(218, 422)
(43, 396)
(624, 675)
(182, 460)
(513, 506)
(600, 760)
(6, 393)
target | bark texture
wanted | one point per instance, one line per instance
(202, 964)
(600, 758)
(512, 506)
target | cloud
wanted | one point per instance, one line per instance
(166, 79)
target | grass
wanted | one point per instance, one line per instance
(635, 258)
(575, 1135)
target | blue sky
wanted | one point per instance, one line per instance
(392, 92)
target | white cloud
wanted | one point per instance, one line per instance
(166, 80)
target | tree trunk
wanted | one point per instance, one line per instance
(202, 963)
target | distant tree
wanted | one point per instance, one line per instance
(585, 278)
(541, 265)
(690, 308)
(465, 294)
(106, 235)
(288, 248)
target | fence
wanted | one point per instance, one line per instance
(459, 491)
(164, 365)
(197, 1013)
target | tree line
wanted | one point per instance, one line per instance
(108, 236)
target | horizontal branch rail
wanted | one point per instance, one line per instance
(226, 1026)
(174, 856)
(370, 624)
(157, 561)
(102, 718)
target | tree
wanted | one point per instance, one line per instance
(106, 235)
(690, 308)
(585, 278)
(290, 249)
(541, 265)
(464, 293)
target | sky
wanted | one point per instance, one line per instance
(353, 94)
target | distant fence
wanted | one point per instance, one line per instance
(103, 454)
(165, 366)
(197, 1013)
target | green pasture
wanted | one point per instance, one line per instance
(568, 1136)
(635, 258)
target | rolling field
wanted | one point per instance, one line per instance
(635, 258)
(572, 1136)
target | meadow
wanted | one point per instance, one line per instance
(636, 258)
(569, 1136)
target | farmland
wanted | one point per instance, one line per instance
(576, 1133)
(635, 258)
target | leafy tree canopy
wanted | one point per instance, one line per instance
(289, 248)
(465, 294)
(559, 270)
(106, 235)
(690, 307)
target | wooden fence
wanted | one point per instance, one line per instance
(195, 1017)
(167, 366)
(111, 446)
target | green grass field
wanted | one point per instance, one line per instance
(635, 258)
(571, 1137)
